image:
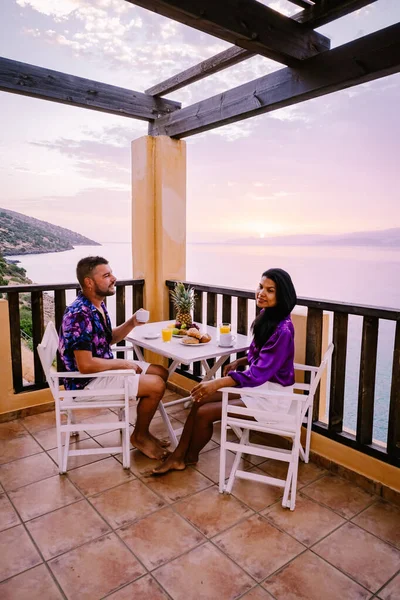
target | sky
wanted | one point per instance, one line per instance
(328, 165)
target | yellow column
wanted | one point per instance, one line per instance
(158, 217)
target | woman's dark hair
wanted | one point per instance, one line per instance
(265, 324)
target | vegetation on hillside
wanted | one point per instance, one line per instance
(20, 234)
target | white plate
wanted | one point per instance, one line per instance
(195, 345)
(178, 336)
(151, 336)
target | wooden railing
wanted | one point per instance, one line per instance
(215, 304)
(35, 299)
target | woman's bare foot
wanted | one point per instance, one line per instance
(170, 464)
(148, 447)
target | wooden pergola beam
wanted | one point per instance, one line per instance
(370, 57)
(211, 65)
(323, 13)
(249, 24)
(30, 80)
(329, 10)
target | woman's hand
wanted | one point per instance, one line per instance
(204, 390)
(231, 367)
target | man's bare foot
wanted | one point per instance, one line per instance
(148, 447)
(171, 464)
(162, 443)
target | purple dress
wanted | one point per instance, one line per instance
(274, 362)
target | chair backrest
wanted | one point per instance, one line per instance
(324, 364)
(47, 350)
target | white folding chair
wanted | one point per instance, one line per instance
(286, 424)
(114, 398)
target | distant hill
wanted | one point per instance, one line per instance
(20, 234)
(386, 238)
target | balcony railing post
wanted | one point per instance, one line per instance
(15, 335)
(338, 372)
(120, 313)
(366, 387)
(198, 317)
(314, 347)
(37, 333)
(393, 438)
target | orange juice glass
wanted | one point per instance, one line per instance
(225, 328)
(166, 334)
(171, 325)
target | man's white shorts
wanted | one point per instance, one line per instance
(116, 381)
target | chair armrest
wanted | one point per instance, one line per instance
(116, 348)
(299, 367)
(261, 393)
(78, 375)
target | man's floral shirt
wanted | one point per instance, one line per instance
(83, 328)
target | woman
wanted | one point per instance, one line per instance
(270, 364)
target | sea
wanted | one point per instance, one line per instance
(358, 275)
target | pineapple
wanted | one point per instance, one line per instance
(184, 301)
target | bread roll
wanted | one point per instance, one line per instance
(195, 333)
(205, 338)
(190, 340)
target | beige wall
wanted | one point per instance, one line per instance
(10, 402)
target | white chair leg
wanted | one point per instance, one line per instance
(308, 436)
(167, 422)
(66, 451)
(222, 450)
(59, 440)
(72, 421)
(293, 486)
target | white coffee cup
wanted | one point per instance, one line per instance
(226, 339)
(142, 315)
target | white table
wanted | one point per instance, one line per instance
(185, 354)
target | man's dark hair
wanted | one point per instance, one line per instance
(86, 265)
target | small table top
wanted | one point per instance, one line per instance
(186, 353)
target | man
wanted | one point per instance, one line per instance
(85, 338)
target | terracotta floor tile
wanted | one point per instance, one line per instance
(158, 428)
(110, 417)
(265, 549)
(308, 472)
(141, 465)
(112, 438)
(96, 569)
(87, 413)
(17, 552)
(309, 577)
(208, 464)
(35, 584)
(18, 447)
(257, 593)
(212, 512)
(79, 461)
(205, 569)
(178, 412)
(344, 497)
(160, 537)
(361, 555)
(256, 495)
(99, 476)
(47, 438)
(43, 496)
(308, 523)
(8, 516)
(35, 423)
(391, 591)
(127, 502)
(26, 470)
(383, 520)
(11, 429)
(216, 436)
(64, 529)
(145, 588)
(178, 484)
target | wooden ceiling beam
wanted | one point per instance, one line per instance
(37, 82)
(234, 55)
(248, 24)
(370, 57)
